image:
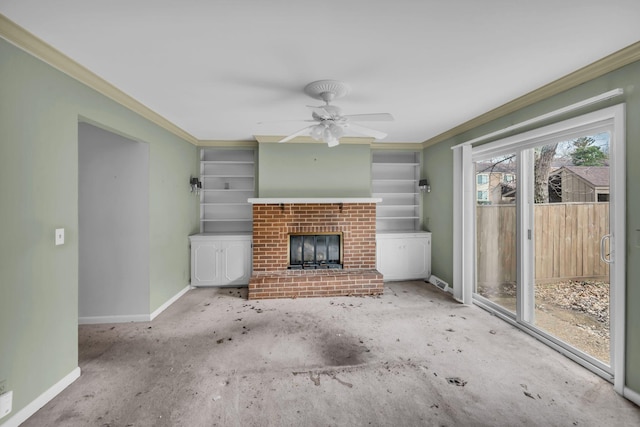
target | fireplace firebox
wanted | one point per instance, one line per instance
(315, 251)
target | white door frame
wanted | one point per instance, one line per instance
(612, 119)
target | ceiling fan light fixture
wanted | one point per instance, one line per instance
(336, 130)
(316, 132)
(327, 135)
(331, 125)
(332, 142)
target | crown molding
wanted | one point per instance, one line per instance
(309, 140)
(397, 145)
(217, 143)
(28, 42)
(592, 71)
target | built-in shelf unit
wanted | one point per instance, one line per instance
(395, 176)
(228, 181)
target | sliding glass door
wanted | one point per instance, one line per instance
(546, 209)
(495, 191)
(571, 190)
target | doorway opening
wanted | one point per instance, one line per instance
(113, 229)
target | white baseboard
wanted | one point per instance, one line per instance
(631, 395)
(166, 305)
(33, 407)
(92, 320)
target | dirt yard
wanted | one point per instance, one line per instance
(576, 312)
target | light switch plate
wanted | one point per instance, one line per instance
(6, 401)
(59, 236)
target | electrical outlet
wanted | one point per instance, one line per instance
(6, 403)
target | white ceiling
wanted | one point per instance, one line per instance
(216, 68)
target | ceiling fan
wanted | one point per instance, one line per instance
(329, 122)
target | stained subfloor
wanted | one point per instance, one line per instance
(410, 357)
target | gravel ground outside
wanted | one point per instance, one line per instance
(587, 297)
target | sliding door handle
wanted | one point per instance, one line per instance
(606, 258)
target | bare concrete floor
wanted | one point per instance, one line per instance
(411, 357)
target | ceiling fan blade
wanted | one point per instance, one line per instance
(366, 131)
(298, 133)
(373, 117)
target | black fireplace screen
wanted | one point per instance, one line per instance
(314, 251)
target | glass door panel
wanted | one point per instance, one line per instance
(496, 271)
(570, 218)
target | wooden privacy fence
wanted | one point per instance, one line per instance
(567, 242)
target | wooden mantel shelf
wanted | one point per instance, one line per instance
(309, 200)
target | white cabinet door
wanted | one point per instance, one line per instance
(205, 270)
(220, 260)
(390, 260)
(404, 256)
(417, 252)
(236, 260)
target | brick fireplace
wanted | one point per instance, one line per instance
(275, 220)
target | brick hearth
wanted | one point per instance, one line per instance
(274, 222)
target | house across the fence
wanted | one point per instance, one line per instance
(579, 184)
(496, 182)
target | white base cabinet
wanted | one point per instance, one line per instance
(404, 255)
(220, 260)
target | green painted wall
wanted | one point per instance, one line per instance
(174, 215)
(438, 161)
(39, 113)
(314, 170)
(437, 166)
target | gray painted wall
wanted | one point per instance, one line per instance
(113, 211)
(438, 163)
